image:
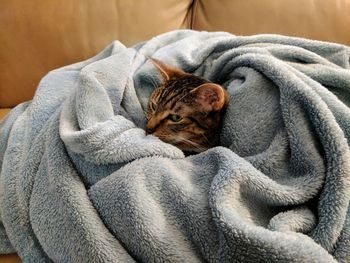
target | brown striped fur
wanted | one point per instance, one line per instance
(186, 110)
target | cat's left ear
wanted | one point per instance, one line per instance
(212, 96)
(167, 71)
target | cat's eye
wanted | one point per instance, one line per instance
(175, 117)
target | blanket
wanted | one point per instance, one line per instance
(82, 182)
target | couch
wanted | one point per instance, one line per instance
(38, 36)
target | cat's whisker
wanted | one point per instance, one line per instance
(205, 137)
(179, 139)
(194, 144)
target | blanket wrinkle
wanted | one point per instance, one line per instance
(80, 181)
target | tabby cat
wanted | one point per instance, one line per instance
(186, 110)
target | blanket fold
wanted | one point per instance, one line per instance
(81, 182)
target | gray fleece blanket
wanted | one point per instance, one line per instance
(81, 182)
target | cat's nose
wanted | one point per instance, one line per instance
(149, 130)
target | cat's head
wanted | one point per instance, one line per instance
(186, 110)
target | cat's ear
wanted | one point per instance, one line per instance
(211, 96)
(167, 71)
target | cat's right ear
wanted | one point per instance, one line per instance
(211, 96)
(167, 71)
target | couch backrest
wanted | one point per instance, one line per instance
(327, 20)
(38, 35)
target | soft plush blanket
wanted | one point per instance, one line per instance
(81, 182)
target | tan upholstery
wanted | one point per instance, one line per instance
(322, 19)
(39, 35)
(11, 258)
(3, 113)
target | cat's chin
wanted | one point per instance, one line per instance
(190, 150)
(189, 153)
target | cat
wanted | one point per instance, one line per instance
(186, 110)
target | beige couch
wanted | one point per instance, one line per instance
(37, 36)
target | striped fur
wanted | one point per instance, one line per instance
(179, 115)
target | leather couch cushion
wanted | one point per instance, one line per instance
(10, 258)
(322, 19)
(3, 113)
(37, 35)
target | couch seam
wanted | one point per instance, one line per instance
(193, 12)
